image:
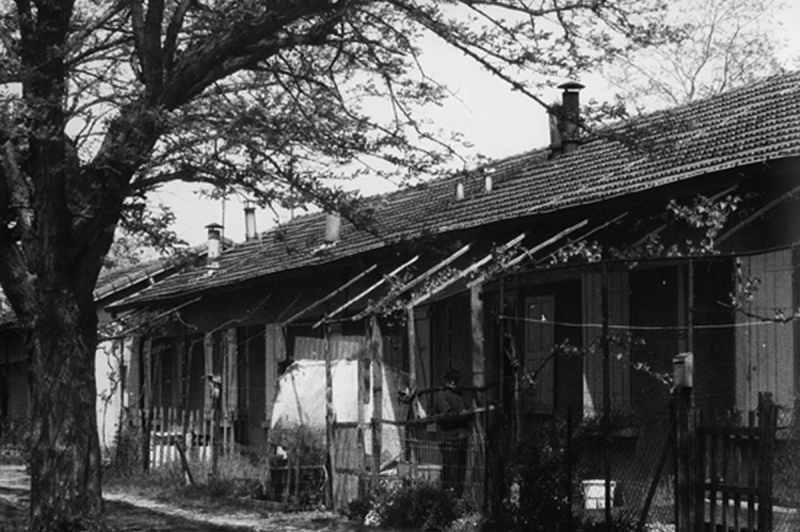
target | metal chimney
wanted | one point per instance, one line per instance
(250, 231)
(213, 246)
(554, 118)
(570, 115)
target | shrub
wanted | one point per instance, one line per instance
(358, 509)
(126, 453)
(538, 484)
(620, 523)
(409, 505)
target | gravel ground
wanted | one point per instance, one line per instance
(132, 513)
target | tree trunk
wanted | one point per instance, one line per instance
(65, 451)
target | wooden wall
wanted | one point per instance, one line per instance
(765, 344)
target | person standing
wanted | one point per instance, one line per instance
(454, 432)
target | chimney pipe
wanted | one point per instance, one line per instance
(213, 249)
(250, 231)
(570, 115)
(554, 118)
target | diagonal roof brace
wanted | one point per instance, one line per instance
(466, 271)
(330, 296)
(150, 322)
(411, 284)
(662, 227)
(528, 253)
(756, 215)
(366, 292)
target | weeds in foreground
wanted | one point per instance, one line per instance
(415, 505)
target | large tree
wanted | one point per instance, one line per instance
(105, 100)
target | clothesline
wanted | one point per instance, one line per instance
(765, 321)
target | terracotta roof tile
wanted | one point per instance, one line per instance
(752, 124)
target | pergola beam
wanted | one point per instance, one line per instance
(366, 292)
(330, 296)
(466, 271)
(519, 258)
(414, 282)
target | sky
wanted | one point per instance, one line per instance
(496, 120)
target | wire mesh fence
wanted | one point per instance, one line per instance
(786, 471)
(567, 470)
(456, 463)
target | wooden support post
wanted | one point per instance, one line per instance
(408, 433)
(375, 348)
(690, 313)
(767, 423)
(478, 355)
(411, 328)
(215, 436)
(330, 436)
(231, 380)
(475, 460)
(605, 339)
(147, 402)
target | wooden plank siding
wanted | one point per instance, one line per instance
(618, 319)
(342, 347)
(765, 346)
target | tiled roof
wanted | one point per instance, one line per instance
(117, 280)
(752, 124)
(111, 282)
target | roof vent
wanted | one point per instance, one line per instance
(333, 227)
(459, 191)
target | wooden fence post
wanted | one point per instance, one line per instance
(766, 441)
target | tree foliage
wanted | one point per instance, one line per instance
(716, 45)
(105, 100)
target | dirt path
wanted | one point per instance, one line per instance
(131, 513)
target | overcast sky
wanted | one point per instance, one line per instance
(496, 120)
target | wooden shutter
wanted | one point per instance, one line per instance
(275, 351)
(539, 366)
(619, 321)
